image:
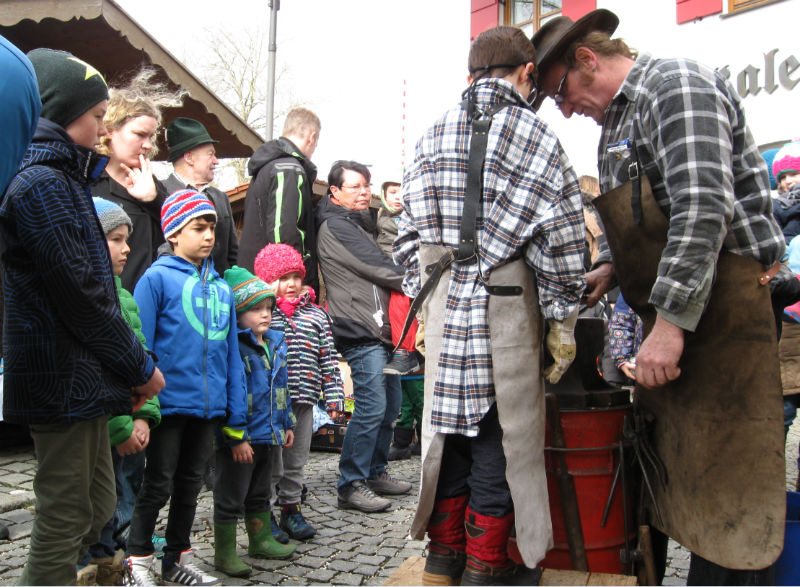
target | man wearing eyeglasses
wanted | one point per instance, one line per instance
(687, 213)
(500, 223)
(278, 207)
(358, 279)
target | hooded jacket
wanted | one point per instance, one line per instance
(358, 277)
(188, 320)
(278, 207)
(69, 354)
(269, 407)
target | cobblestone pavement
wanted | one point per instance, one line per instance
(350, 548)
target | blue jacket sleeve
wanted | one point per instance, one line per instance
(237, 388)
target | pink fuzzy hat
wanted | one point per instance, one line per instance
(276, 260)
(787, 160)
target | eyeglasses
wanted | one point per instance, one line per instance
(559, 97)
(357, 188)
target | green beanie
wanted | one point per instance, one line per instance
(248, 289)
(68, 86)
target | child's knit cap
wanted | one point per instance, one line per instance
(111, 216)
(68, 86)
(248, 289)
(787, 160)
(181, 207)
(276, 260)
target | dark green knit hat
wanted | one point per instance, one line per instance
(248, 289)
(68, 86)
(184, 134)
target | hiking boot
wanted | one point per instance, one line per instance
(262, 542)
(400, 449)
(294, 523)
(358, 496)
(385, 484)
(402, 363)
(277, 532)
(399, 454)
(110, 570)
(87, 575)
(140, 570)
(446, 558)
(184, 572)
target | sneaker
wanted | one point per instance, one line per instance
(358, 496)
(184, 572)
(402, 363)
(385, 484)
(277, 532)
(139, 570)
(294, 523)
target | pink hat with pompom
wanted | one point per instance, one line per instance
(787, 160)
(276, 260)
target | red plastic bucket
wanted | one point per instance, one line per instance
(598, 432)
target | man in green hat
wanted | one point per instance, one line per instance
(194, 159)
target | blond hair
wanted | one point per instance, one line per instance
(300, 121)
(142, 96)
(600, 43)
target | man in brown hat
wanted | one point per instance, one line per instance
(194, 159)
(705, 244)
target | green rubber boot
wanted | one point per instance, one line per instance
(225, 557)
(262, 543)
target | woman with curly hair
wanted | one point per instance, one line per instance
(132, 121)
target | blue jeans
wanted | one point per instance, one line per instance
(128, 474)
(365, 449)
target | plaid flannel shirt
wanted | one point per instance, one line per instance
(708, 177)
(530, 206)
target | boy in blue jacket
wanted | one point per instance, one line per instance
(244, 467)
(188, 320)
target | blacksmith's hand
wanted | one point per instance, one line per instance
(658, 357)
(598, 282)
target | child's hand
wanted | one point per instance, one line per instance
(334, 414)
(130, 446)
(289, 439)
(141, 428)
(243, 453)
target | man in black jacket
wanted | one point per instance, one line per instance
(278, 206)
(194, 158)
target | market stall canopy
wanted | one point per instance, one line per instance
(104, 35)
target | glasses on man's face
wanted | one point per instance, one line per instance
(558, 97)
(357, 188)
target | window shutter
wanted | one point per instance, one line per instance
(485, 15)
(577, 8)
(690, 9)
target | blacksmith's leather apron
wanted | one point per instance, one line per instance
(717, 427)
(516, 332)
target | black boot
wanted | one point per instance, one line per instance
(401, 449)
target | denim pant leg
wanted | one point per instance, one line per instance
(377, 403)
(107, 545)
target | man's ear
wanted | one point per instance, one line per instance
(586, 58)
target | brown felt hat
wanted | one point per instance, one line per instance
(557, 34)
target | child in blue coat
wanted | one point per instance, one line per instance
(189, 322)
(243, 466)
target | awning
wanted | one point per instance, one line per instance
(104, 35)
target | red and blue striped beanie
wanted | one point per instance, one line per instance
(181, 207)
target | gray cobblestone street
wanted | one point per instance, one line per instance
(350, 548)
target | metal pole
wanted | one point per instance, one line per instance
(274, 7)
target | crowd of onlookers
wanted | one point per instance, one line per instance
(148, 347)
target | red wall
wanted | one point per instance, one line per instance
(690, 9)
(486, 13)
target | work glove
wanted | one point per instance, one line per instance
(560, 342)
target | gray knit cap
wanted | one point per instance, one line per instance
(111, 215)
